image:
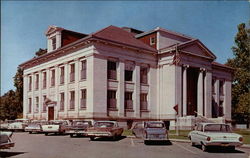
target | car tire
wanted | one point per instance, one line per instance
(146, 142)
(71, 135)
(203, 147)
(30, 132)
(92, 138)
(192, 143)
(232, 148)
(46, 134)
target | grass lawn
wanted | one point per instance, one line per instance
(184, 133)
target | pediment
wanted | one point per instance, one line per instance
(197, 48)
(52, 29)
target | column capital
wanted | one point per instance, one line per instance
(185, 66)
(202, 69)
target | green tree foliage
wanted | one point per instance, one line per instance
(241, 80)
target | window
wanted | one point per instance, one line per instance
(128, 100)
(111, 99)
(61, 101)
(72, 72)
(62, 75)
(53, 43)
(221, 86)
(143, 101)
(30, 83)
(44, 80)
(37, 104)
(72, 100)
(128, 75)
(44, 104)
(30, 105)
(213, 86)
(84, 69)
(152, 40)
(37, 82)
(144, 75)
(52, 78)
(112, 70)
(83, 98)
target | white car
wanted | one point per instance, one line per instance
(56, 127)
(18, 125)
(215, 134)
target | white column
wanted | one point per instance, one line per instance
(121, 87)
(184, 90)
(200, 93)
(25, 95)
(57, 82)
(136, 94)
(58, 40)
(40, 102)
(33, 95)
(208, 94)
(66, 93)
(77, 91)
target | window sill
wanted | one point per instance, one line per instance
(83, 79)
(144, 84)
(71, 110)
(113, 80)
(129, 82)
(83, 108)
(144, 111)
(112, 109)
(129, 110)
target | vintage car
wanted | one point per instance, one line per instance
(78, 128)
(109, 129)
(214, 134)
(55, 126)
(5, 124)
(150, 131)
(18, 125)
(35, 127)
(5, 140)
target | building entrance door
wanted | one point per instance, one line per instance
(51, 113)
(192, 81)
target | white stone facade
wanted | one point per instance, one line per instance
(167, 83)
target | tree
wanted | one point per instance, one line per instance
(241, 79)
(18, 83)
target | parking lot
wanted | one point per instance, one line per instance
(62, 146)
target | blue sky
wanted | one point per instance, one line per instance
(23, 24)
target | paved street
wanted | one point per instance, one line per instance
(40, 146)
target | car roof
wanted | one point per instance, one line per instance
(205, 123)
(107, 121)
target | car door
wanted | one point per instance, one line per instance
(195, 134)
(138, 130)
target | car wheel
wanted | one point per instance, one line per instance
(203, 147)
(145, 142)
(30, 132)
(46, 134)
(71, 135)
(192, 143)
(92, 138)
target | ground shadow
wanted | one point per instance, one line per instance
(109, 139)
(4, 154)
(159, 143)
(219, 149)
(56, 134)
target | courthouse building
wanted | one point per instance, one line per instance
(126, 75)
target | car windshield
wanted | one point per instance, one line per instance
(80, 123)
(104, 124)
(155, 125)
(217, 128)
